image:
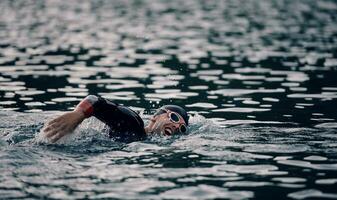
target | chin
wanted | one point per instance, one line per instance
(159, 132)
(156, 132)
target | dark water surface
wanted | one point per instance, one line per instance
(258, 77)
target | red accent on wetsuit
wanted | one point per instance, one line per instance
(86, 108)
(124, 124)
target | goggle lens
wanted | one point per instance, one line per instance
(174, 117)
(183, 128)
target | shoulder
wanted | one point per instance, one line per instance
(131, 113)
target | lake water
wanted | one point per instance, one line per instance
(259, 79)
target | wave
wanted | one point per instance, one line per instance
(24, 129)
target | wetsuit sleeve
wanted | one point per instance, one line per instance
(124, 123)
(87, 105)
(99, 107)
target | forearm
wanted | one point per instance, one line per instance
(67, 123)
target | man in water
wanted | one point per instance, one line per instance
(124, 124)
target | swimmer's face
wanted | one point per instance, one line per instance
(167, 123)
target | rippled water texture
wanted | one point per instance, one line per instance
(258, 78)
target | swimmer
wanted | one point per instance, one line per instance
(124, 124)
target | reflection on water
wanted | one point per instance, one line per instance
(263, 74)
(236, 163)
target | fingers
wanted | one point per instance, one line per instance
(62, 125)
(57, 136)
(56, 131)
(52, 126)
(51, 133)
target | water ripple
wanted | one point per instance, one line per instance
(257, 77)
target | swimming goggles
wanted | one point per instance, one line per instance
(175, 118)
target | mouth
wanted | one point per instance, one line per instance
(167, 131)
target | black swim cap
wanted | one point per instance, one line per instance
(181, 111)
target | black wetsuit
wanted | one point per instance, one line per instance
(125, 125)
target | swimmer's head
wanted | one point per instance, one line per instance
(169, 120)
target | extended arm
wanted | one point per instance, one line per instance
(67, 123)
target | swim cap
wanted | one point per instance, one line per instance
(181, 111)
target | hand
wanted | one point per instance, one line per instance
(63, 125)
